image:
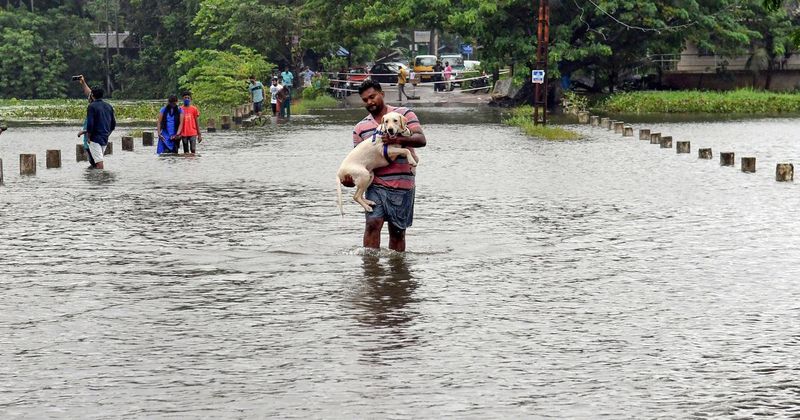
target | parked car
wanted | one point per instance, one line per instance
(423, 64)
(386, 72)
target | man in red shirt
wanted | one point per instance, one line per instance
(191, 128)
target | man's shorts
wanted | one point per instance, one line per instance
(258, 106)
(274, 107)
(393, 206)
(97, 151)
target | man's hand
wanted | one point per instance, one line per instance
(199, 138)
(387, 139)
(348, 181)
(80, 133)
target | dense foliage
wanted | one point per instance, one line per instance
(738, 101)
(599, 41)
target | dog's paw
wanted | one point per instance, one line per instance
(412, 163)
(370, 202)
(368, 209)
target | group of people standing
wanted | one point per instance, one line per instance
(442, 76)
(280, 91)
(178, 125)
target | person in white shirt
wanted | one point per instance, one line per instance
(274, 88)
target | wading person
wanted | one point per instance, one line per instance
(190, 135)
(256, 95)
(100, 123)
(169, 126)
(285, 102)
(392, 189)
(88, 92)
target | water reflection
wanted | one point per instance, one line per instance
(385, 291)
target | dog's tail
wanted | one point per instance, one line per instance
(339, 196)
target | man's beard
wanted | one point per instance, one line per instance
(374, 110)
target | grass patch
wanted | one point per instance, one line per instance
(73, 109)
(744, 101)
(522, 117)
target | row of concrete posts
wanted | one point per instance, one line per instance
(783, 171)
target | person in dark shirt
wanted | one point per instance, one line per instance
(100, 122)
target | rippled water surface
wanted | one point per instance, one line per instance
(604, 277)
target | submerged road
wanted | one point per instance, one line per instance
(579, 279)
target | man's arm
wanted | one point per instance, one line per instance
(86, 89)
(113, 120)
(180, 126)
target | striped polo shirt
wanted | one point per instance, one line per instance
(399, 174)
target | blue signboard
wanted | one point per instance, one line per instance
(466, 48)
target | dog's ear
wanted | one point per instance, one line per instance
(404, 126)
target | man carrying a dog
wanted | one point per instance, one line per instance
(392, 189)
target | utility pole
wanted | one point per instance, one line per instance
(542, 48)
(108, 54)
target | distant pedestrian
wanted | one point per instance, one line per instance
(190, 135)
(256, 95)
(100, 123)
(437, 77)
(401, 83)
(274, 88)
(307, 75)
(169, 126)
(285, 102)
(288, 78)
(448, 73)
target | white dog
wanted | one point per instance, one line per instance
(369, 155)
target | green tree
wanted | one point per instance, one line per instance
(47, 48)
(270, 27)
(220, 76)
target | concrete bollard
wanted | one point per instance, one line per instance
(211, 125)
(618, 126)
(127, 143)
(644, 134)
(27, 164)
(783, 172)
(81, 155)
(704, 154)
(1, 171)
(583, 117)
(684, 147)
(627, 131)
(109, 149)
(604, 122)
(594, 120)
(726, 159)
(147, 138)
(53, 159)
(748, 164)
(666, 142)
(226, 122)
(655, 138)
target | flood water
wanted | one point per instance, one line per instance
(582, 279)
